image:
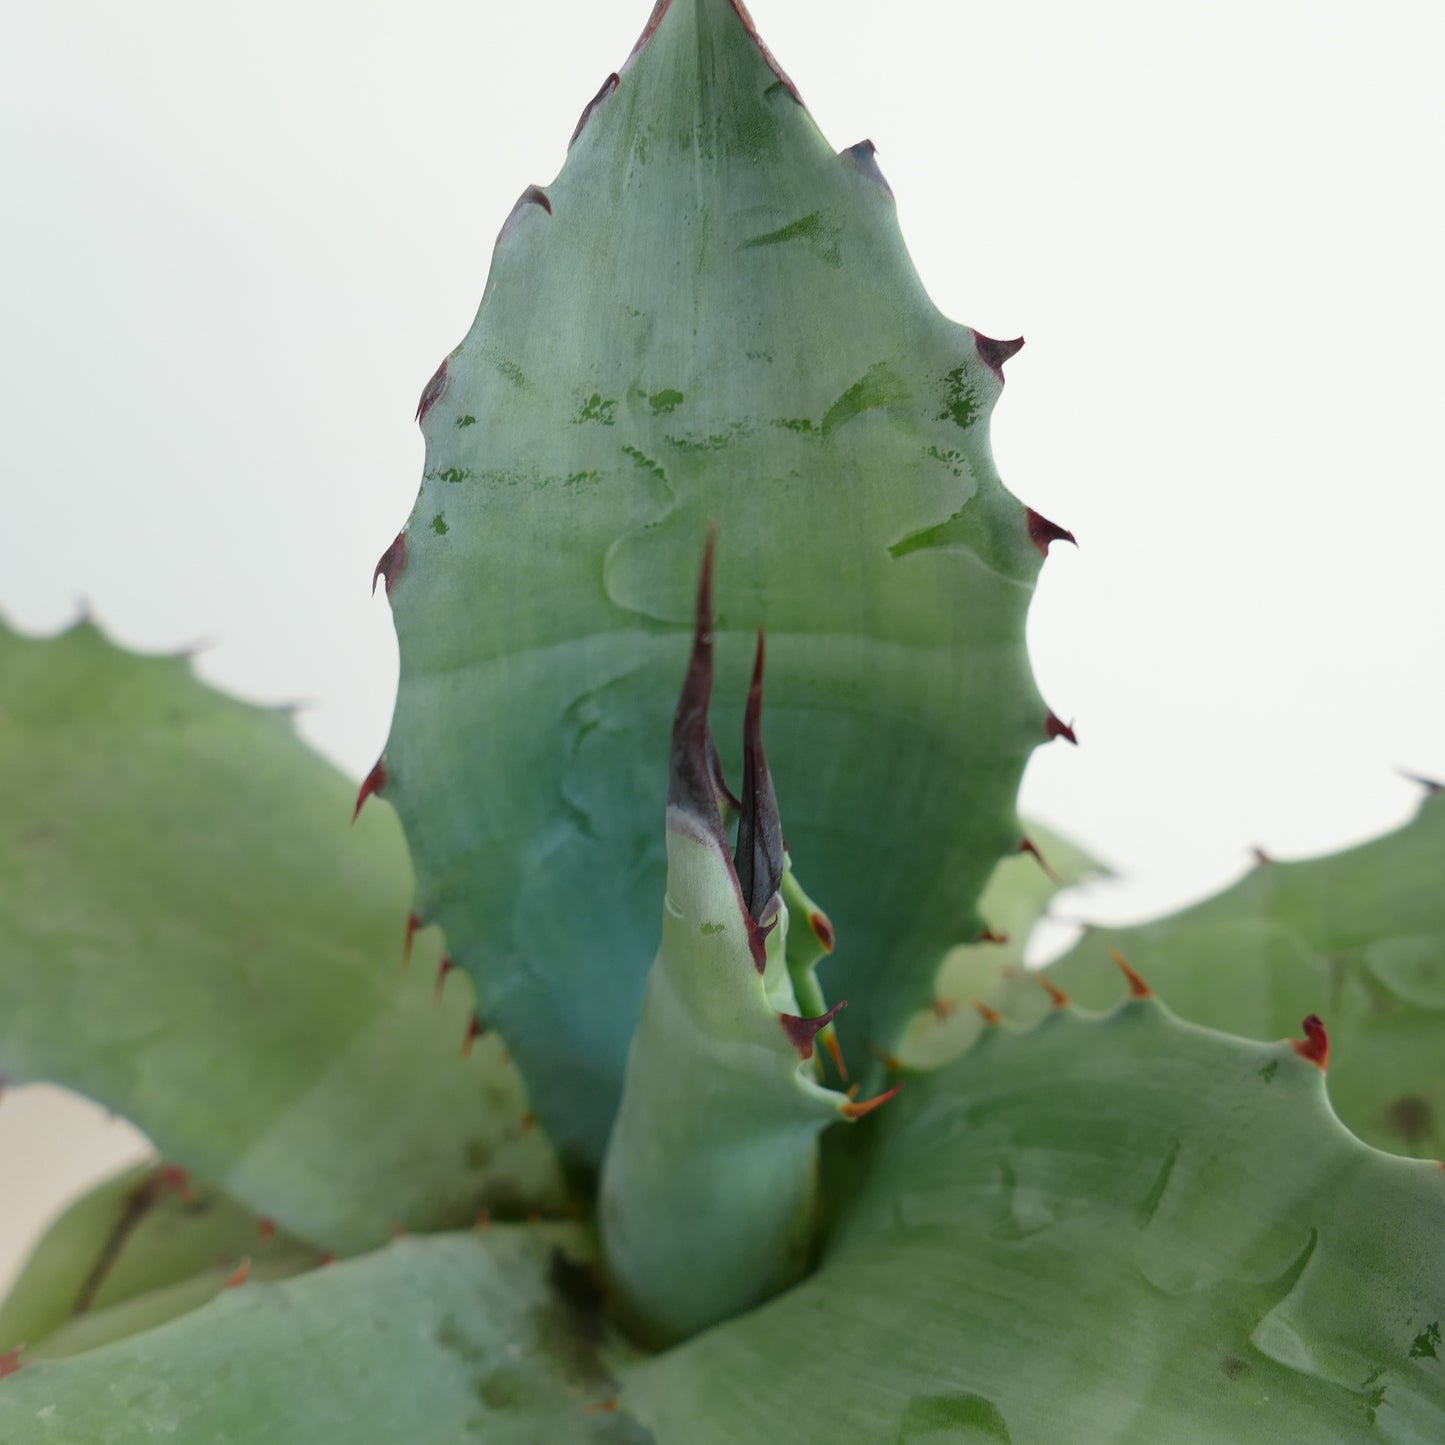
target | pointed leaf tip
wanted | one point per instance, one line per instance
(1055, 728)
(742, 14)
(1315, 1046)
(759, 856)
(802, 1032)
(1137, 987)
(374, 782)
(693, 762)
(1433, 787)
(1042, 531)
(995, 353)
(391, 564)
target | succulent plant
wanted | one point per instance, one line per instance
(640, 1066)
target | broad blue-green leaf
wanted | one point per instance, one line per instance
(710, 1180)
(1111, 1231)
(432, 1342)
(139, 1249)
(709, 316)
(191, 934)
(1357, 937)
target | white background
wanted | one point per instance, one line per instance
(238, 237)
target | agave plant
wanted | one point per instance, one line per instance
(663, 1064)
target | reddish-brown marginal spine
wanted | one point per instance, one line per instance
(995, 353)
(1042, 531)
(1055, 728)
(1060, 998)
(1137, 987)
(802, 1032)
(373, 782)
(391, 564)
(857, 1109)
(1027, 845)
(1315, 1046)
(433, 391)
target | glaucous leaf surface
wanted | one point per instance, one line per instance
(1112, 1231)
(708, 317)
(1357, 937)
(191, 935)
(464, 1337)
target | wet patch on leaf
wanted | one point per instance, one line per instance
(879, 386)
(952, 1420)
(818, 231)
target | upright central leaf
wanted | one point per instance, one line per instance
(708, 317)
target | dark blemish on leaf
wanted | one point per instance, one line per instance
(1412, 1117)
(645, 462)
(597, 409)
(511, 371)
(439, 525)
(664, 401)
(1426, 1345)
(1268, 1071)
(577, 478)
(960, 402)
(1234, 1367)
(453, 474)
(797, 424)
(1373, 1393)
(954, 461)
(465, 421)
(709, 929)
